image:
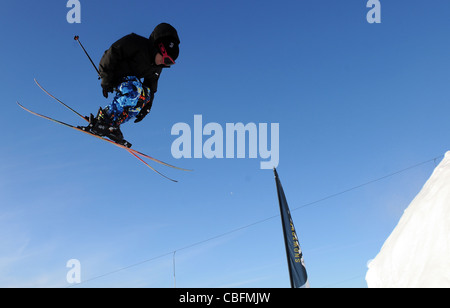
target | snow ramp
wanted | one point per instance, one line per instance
(417, 253)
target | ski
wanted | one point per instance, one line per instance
(87, 119)
(59, 101)
(131, 151)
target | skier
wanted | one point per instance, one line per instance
(121, 68)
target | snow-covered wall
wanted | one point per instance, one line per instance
(417, 253)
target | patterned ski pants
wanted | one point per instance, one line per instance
(131, 95)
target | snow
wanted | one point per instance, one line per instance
(417, 253)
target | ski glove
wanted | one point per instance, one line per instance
(106, 91)
(145, 109)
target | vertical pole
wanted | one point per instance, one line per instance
(174, 276)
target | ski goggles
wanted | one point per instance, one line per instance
(167, 60)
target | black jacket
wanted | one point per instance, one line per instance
(132, 55)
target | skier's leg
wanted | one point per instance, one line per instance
(123, 107)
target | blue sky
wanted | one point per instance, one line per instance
(354, 102)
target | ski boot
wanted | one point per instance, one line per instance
(103, 127)
(116, 135)
(93, 123)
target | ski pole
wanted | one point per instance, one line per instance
(77, 38)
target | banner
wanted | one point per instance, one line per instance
(297, 270)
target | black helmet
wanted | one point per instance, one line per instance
(168, 36)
